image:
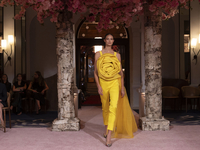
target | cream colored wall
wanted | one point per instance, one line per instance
(41, 53)
(41, 44)
(170, 48)
(135, 64)
(194, 33)
(8, 24)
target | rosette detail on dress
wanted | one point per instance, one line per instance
(108, 67)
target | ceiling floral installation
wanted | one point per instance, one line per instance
(108, 13)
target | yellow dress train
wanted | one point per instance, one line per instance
(125, 124)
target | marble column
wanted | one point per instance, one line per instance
(153, 119)
(65, 83)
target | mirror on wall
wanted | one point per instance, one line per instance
(184, 57)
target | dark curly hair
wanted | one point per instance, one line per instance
(40, 79)
(6, 77)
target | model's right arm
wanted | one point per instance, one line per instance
(97, 55)
(15, 89)
(30, 87)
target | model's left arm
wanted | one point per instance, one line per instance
(46, 88)
(24, 87)
(122, 76)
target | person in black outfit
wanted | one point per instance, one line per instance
(3, 101)
(19, 88)
(38, 87)
(4, 80)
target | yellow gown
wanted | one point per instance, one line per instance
(108, 67)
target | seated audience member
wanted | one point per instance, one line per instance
(38, 87)
(3, 101)
(4, 80)
(19, 88)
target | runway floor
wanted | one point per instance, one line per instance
(179, 137)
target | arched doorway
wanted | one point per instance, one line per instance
(88, 41)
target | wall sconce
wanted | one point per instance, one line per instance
(3, 44)
(10, 41)
(193, 45)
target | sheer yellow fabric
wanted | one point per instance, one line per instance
(125, 124)
(108, 67)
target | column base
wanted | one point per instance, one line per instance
(154, 124)
(68, 124)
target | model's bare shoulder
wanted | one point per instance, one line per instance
(97, 55)
(118, 56)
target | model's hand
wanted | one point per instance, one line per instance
(100, 91)
(42, 92)
(34, 91)
(0, 100)
(122, 92)
(17, 89)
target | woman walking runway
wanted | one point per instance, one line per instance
(117, 114)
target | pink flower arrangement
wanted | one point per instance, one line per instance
(102, 11)
(44, 8)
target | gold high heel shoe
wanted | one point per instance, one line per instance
(108, 144)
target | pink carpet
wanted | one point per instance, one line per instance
(90, 137)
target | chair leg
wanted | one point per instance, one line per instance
(27, 106)
(198, 103)
(186, 104)
(195, 100)
(4, 111)
(30, 103)
(177, 104)
(174, 104)
(45, 106)
(9, 118)
(182, 103)
(25, 109)
(164, 104)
